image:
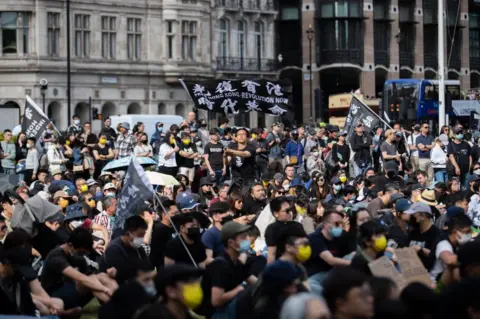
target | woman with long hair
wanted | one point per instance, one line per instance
(236, 204)
(319, 188)
(454, 186)
(167, 164)
(314, 217)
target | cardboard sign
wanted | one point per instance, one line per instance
(411, 267)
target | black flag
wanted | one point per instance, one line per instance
(360, 113)
(34, 120)
(239, 96)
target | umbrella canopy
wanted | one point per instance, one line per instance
(161, 179)
(123, 163)
(8, 182)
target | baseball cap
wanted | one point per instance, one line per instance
(214, 131)
(176, 273)
(276, 124)
(343, 133)
(396, 197)
(56, 171)
(416, 187)
(398, 134)
(109, 186)
(296, 182)
(335, 128)
(278, 177)
(206, 181)
(402, 205)
(219, 208)
(419, 207)
(390, 166)
(334, 180)
(453, 211)
(91, 182)
(232, 229)
(187, 202)
(473, 178)
(61, 194)
(444, 139)
(279, 275)
(125, 125)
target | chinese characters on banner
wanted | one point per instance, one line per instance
(359, 112)
(34, 121)
(238, 96)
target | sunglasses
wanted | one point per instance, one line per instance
(4, 228)
(281, 193)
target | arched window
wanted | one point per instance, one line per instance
(240, 30)
(223, 32)
(258, 37)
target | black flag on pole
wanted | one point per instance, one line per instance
(238, 96)
(360, 113)
(34, 120)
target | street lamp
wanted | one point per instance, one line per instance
(310, 34)
(43, 90)
(69, 94)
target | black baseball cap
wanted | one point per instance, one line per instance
(214, 131)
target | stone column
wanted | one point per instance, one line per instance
(465, 50)
(367, 76)
(394, 70)
(308, 19)
(419, 47)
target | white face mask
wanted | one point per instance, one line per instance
(137, 242)
(315, 153)
(77, 122)
(476, 172)
(76, 223)
(464, 238)
(29, 145)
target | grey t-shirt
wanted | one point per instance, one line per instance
(391, 149)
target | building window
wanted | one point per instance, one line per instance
(14, 32)
(189, 40)
(82, 35)
(474, 30)
(341, 9)
(223, 40)
(381, 32)
(134, 38)
(240, 31)
(53, 33)
(109, 37)
(430, 12)
(258, 35)
(170, 38)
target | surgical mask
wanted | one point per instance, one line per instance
(29, 145)
(172, 141)
(76, 122)
(244, 246)
(193, 232)
(286, 187)
(98, 195)
(110, 194)
(343, 179)
(160, 129)
(476, 172)
(315, 154)
(63, 203)
(459, 136)
(464, 238)
(137, 242)
(336, 232)
(84, 188)
(150, 289)
(186, 141)
(192, 295)
(300, 210)
(380, 244)
(337, 187)
(304, 253)
(103, 141)
(76, 223)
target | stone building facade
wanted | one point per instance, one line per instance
(127, 56)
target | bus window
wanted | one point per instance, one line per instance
(431, 92)
(454, 91)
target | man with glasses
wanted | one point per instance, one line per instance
(9, 154)
(425, 144)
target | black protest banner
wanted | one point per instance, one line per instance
(360, 113)
(238, 96)
(136, 189)
(34, 120)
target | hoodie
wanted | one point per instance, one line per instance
(438, 157)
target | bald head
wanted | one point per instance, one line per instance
(304, 306)
(191, 116)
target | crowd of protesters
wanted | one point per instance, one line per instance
(278, 222)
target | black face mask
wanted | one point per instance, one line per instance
(391, 174)
(193, 232)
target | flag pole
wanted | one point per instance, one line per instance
(379, 117)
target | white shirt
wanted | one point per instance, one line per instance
(162, 161)
(411, 141)
(439, 266)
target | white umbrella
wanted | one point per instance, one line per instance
(156, 178)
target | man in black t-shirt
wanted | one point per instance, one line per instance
(187, 154)
(283, 213)
(242, 159)
(424, 236)
(175, 252)
(460, 154)
(162, 234)
(214, 159)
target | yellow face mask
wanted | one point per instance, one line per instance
(192, 295)
(265, 183)
(380, 244)
(254, 136)
(103, 141)
(67, 142)
(63, 203)
(300, 210)
(343, 179)
(172, 140)
(304, 253)
(91, 203)
(186, 141)
(84, 188)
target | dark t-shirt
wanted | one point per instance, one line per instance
(119, 255)
(243, 167)
(382, 180)
(272, 234)
(212, 239)
(428, 240)
(183, 161)
(177, 252)
(160, 237)
(462, 153)
(55, 263)
(425, 140)
(215, 155)
(391, 150)
(319, 244)
(361, 264)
